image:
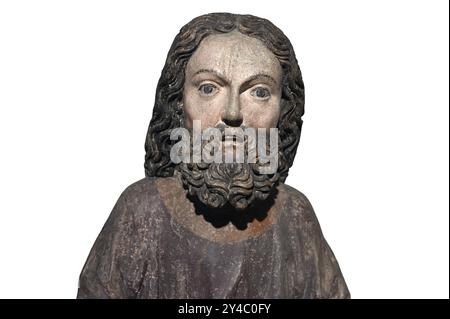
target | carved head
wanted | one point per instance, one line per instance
(227, 70)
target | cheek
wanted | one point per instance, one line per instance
(197, 108)
(261, 114)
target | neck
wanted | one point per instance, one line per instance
(222, 225)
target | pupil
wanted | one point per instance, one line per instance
(260, 92)
(207, 89)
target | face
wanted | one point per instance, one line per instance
(232, 80)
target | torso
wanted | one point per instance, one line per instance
(154, 245)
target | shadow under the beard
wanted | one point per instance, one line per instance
(220, 217)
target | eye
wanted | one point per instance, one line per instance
(207, 89)
(260, 93)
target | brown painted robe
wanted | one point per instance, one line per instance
(142, 252)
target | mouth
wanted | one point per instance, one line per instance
(233, 134)
(233, 139)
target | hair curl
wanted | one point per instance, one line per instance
(168, 114)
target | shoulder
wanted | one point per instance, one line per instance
(140, 196)
(299, 211)
(318, 256)
(294, 194)
(139, 190)
(138, 206)
(298, 204)
(114, 266)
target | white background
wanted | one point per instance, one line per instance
(77, 85)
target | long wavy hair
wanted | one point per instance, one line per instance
(168, 112)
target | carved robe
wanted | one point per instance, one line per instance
(143, 251)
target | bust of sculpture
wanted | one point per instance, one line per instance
(199, 226)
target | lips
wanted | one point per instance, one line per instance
(233, 138)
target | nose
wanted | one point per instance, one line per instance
(232, 115)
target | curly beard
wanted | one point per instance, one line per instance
(216, 184)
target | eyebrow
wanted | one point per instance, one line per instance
(246, 83)
(261, 76)
(216, 73)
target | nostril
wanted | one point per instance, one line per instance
(233, 121)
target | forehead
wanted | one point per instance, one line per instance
(234, 55)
